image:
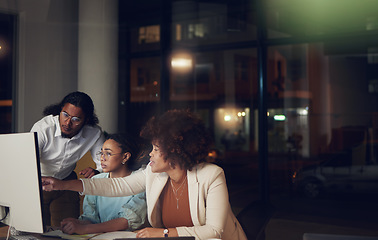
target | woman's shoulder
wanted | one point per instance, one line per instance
(207, 173)
(208, 169)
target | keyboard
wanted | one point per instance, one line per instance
(23, 237)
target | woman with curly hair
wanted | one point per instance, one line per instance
(186, 196)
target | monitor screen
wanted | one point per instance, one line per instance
(20, 182)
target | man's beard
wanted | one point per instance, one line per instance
(65, 135)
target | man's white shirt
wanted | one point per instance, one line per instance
(59, 155)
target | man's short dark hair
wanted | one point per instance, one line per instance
(78, 99)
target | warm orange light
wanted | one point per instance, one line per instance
(5, 103)
(227, 118)
(181, 63)
(212, 154)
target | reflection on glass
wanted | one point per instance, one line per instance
(232, 129)
(192, 77)
(184, 64)
(204, 22)
(145, 38)
(288, 131)
(145, 80)
(7, 62)
(322, 120)
(149, 34)
(228, 75)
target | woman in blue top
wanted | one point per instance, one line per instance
(106, 214)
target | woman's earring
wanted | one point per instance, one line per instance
(171, 166)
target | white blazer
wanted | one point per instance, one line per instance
(210, 209)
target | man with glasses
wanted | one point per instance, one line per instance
(67, 132)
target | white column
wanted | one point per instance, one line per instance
(98, 58)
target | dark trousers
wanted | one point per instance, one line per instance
(58, 205)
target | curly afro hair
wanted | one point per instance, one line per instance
(181, 136)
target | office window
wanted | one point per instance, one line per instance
(145, 80)
(322, 123)
(214, 76)
(149, 34)
(7, 50)
(205, 22)
(321, 99)
(145, 38)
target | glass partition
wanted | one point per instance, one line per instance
(321, 96)
(323, 127)
(7, 51)
(196, 23)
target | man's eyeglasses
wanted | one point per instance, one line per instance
(65, 116)
(105, 155)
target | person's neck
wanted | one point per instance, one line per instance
(177, 175)
(121, 172)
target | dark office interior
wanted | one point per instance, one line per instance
(289, 90)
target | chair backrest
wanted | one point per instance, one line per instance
(254, 219)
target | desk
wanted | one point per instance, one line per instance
(3, 232)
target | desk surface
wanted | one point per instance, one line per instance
(3, 232)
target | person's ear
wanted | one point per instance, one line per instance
(126, 157)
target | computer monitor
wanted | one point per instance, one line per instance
(20, 182)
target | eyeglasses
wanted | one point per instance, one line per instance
(65, 116)
(105, 155)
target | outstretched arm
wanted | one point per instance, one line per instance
(71, 226)
(51, 184)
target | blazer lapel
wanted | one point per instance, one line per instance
(155, 190)
(193, 195)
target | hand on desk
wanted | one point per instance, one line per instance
(150, 232)
(72, 225)
(155, 232)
